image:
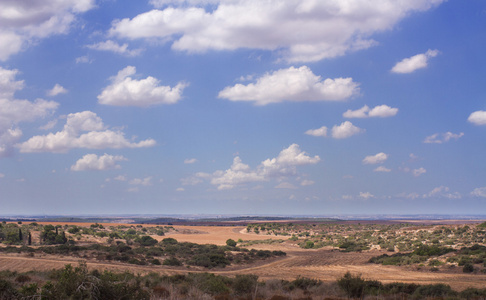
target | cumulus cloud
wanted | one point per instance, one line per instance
(23, 22)
(419, 61)
(300, 30)
(382, 169)
(82, 130)
(292, 84)
(120, 178)
(147, 181)
(442, 192)
(283, 166)
(317, 132)
(14, 111)
(478, 117)
(479, 192)
(114, 47)
(91, 162)
(83, 60)
(366, 195)
(126, 91)
(307, 182)
(439, 138)
(378, 158)
(190, 160)
(345, 130)
(380, 111)
(56, 90)
(418, 172)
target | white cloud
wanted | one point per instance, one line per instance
(442, 192)
(126, 91)
(292, 84)
(409, 195)
(345, 130)
(382, 169)
(381, 111)
(418, 172)
(24, 22)
(300, 30)
(120, 178)
(317, 132)
(285, 185)
(82, 130)
(307, 182)
(14, 111)
(439, 138)
(366, 195)
(413, 157)
(93, 162)
(2, 175)
(56, 90)
(49, 125)
(190, 160)
(180, 189)
(112, 46)
(282, 166)
(479, 192)
(478, 117)
(419, 61)
(378, 158)
(147, 181)
(83, 60)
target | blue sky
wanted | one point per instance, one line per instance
(242, 107)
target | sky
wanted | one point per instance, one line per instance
(297, 107)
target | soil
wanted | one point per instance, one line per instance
(326, 264)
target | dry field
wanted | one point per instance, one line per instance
(324, 264)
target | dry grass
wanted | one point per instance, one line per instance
(324, 264)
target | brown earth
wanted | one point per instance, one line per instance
(324, 264)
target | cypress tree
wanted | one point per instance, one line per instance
(21, 237)
(30, 239)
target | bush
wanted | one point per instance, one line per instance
(353, 286)
(230, 243)
(468, 268)
(245, 284)
(433, 290)
(146, 240)
(173, 261)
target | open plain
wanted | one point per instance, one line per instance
(326, 263)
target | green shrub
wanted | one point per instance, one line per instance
(353, 286)
(468, 268)
(173, 261)
(231, 243)
(244, 284)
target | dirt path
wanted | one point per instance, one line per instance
(325, 265)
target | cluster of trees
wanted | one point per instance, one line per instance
(14, 234)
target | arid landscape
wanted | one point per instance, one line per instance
(451, 253)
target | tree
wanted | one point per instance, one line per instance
(21, 237)
(231, 243)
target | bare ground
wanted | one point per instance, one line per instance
(323, 264)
